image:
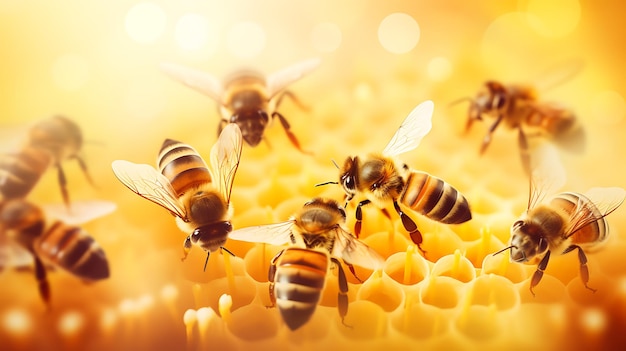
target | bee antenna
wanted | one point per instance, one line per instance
(506, 248)
(208, 253)
(335, 163)
(457, 101)
(326, 183)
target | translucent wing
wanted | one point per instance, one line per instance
(15, 256)
(558, 74)
(225, 156)
(280, 80)
(148, 183)
(603, 201)
(353, 251)
(548, 174)
(273, 234)
(198, 80)
(414, 127)
(81, 211)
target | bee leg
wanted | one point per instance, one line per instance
(410, 226)
(487, 138)
(359, 217)
(208, 253)
(271, 275)
(351, 268)
(584, 270)
(293, 98)
(63, 184)
(44, 286)
(292, 137)
(83, 167)
(186, 248)
(541, 267)
(524, 152)
(473, 114)
(342, 296)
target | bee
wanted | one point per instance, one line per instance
(566, 222)
(197, 196)
(519, 107)
(246, 97)
(384, 179)
(297, 273)
(58, 243)
(48, 143)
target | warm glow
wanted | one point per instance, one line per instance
(542, 17)
(594, 320)
(326, 37)
(439, 69)
(608, 107)
(194, 32)
(71, 322)
(17, 321)
(398, 33)
(70, 72)
(145, 22)
(246, 39)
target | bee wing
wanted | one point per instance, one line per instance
(603, 200)
(148, 183)
(198, 80)
(558, 74)
(278, 81)
(225, 156)
(548, 174)
(80, 211)
(414, 127)
(15, 256)
(353, 251)
(273, 234)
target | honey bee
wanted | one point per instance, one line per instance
(519, 107)
(58, 243)
(247, 98)
(384, 179)
(48, 143)
(297, 273)
(567, 221)
(197, 196)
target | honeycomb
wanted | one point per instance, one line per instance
(98, 64)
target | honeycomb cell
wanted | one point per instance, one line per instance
(420, 321)
(501, 265)
(365, 320)
(494, 290)
(455, 266)
(254, 322)
(440, 291)
(407, 268)
(381, 290)
(480, 322)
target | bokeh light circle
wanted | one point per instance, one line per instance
(326, 37)
(543, 19)
(70, 72)
(246, 40)
(194, 32)
(398, 33)
(17, 321)
(145, 22)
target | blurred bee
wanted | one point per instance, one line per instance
(297, 273)
(59, 243)
(567, 221)
(520, 107)
(184, 185)
(247, 98)
(48, 143)
(384, 179)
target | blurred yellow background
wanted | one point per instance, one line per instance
(97, 63)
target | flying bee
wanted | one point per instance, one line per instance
(567, 221)
(247, 98)
(519, 107)
(297, 273)
(197, 196)
(48, 143)
(384, 179)
(59, 243)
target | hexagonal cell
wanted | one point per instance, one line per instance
(455, 266)
(442, 292)
(383, 291)
(420, 321)
(406, 268)
(494, 290)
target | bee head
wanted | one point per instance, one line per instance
(212, 236)
(526, 241)
(58, 134)
(252, 124)
(349, 176)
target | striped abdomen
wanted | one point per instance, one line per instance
(435, 199)
(71, 248)
(20, 173)
(299, 280)
(182, 166)
(572, 203)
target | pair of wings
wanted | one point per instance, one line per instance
(211, 86)
(346, 246)
(14, 255)
(412, 130)
(548, 176)
(145, 181)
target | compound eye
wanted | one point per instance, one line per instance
(343, 212)
(543, 245)
(264, 116)
(499, 101)
(348, 182)
(518, 224)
